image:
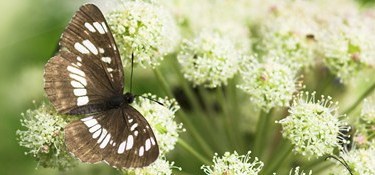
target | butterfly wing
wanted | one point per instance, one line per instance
(88, 68)
(121, 137)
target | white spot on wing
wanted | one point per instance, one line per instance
(82, 100)
(79, 59)
(90, 123)
(90, 46)
(80, 92)
(96, 134)
(152, 141)
(80, 48)
(121, 148)
(107, 60)
(76, 84)
(141, 151)
(90, 27)
(105, 141)
(86, 119)
(101, 50)
(102, 135)
(147, 144)
(94, 128)
(130, 120)
(133, 127)
(80, 79)
(99, 28)
(129, 142)
(104, 27)
(109, 70)
(136, 133)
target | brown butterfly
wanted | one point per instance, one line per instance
(86, 78)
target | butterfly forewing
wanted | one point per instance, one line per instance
(88, 67)
(120, 137)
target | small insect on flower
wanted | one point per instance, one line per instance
(233, 164)
(313, 126)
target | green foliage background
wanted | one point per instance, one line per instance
(29, 32)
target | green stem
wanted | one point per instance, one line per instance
(163, 82)
(193, 152)
(312, 164)
(279, 159)
(322, 167)
(187, 123)
(227, 117)
(261, 132)
(359, 100)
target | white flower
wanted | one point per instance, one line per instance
(269, 84)
(360, 161)
(313, 126)
(289, 36)
(348, 45)
(233, 164)
(159, 167)
(161, 120)
(145, 30)
(209, 60)
(44, 137)
(368, 110)
(297, 172)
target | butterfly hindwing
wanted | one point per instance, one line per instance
(120, 137)
(88, 55)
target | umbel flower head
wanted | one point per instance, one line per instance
(145, 30)
(233, 164)
(160, 167)
(313, 126)
(289, 36)
(161, 120)
(269, 84)
(347, 45)
(44, 137)
(360, 161)
(209, 60)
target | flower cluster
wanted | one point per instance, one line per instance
(313, 126)
(269, 84)
(360, 161)
(160, 167)
(233, 164)
(161, 119)
(144, 30)
(347, 45)
(209, 60)
(44, 137)
(288, 36)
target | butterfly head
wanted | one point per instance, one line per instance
(128, 97)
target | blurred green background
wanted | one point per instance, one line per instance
(29, 32)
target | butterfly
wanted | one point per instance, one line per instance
(86, 78)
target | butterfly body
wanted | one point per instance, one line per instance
(86, 78)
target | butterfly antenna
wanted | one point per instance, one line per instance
(131, 74)
(158, 102)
